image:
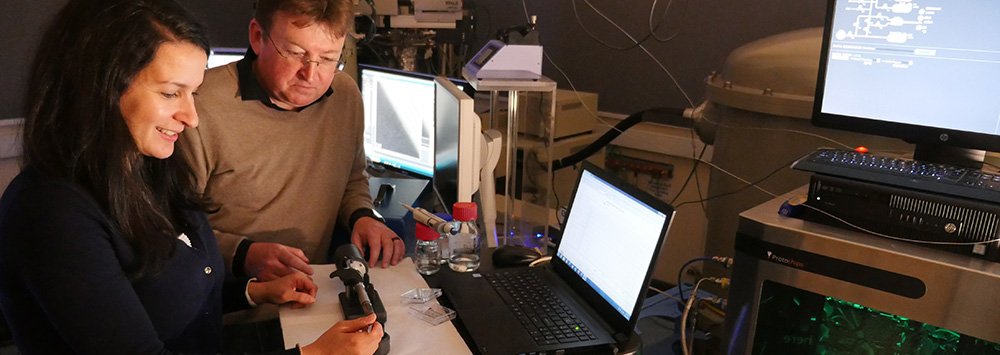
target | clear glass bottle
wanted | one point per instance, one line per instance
(463, 238)
(443, 241)
(427, 256)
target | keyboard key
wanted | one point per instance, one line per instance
(547, 319)
(931, 177)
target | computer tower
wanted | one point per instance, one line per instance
(800, 287)
(955, 224)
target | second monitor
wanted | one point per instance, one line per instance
(399, 118)
(457, 144)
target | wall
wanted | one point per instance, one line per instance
(627, 81)
(10, 150)
(21, 23)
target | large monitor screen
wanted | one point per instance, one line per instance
(458, 136)
(399, 118)
(220, 56)
(922, 71)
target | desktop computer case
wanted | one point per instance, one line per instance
(906, 214)
(799, 288)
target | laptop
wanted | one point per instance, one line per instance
(601, 269)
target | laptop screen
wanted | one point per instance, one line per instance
(610, 240)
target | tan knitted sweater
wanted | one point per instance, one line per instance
(278, 176)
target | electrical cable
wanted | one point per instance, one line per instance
(576, 13)
(652, 29)
(684, 317)
(747, 184)
(693, 169)
(599, 143)
(841, 220)
(552, 183)
(652, 10)
(680, 275)
(727, 261)
(698, 159)
(781, 130)
(605, 123)
(525, 6)
(679, 302)
(610, 135)
(697, 181)
(372, 27)
(651, 56)
(722, 281)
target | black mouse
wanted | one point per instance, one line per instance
(514, 255)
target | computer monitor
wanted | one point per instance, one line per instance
(458, 144)
(399, 118)
(220, 56)
(923, 72)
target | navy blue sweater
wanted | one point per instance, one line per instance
(63, 288)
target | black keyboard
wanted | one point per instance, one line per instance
(543, 314)
(906, 173)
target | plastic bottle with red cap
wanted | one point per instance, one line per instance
(427, 255)
(463, 238)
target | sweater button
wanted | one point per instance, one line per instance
(208, 270)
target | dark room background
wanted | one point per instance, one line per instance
(627, 81)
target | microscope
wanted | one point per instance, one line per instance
(359, 298)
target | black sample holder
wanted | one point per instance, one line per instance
(352, 307)
(352, 310)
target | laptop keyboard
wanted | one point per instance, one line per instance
(545, 316)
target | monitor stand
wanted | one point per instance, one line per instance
(951, 155)
(403, 190)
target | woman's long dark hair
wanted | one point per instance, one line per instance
(74, 127)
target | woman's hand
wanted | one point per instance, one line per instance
(349, 337)
(297, 288)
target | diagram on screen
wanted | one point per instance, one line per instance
(895, 21)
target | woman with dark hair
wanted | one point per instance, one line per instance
(104, 247)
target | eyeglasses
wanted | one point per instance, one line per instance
(304, 59)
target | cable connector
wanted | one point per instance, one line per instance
(719, 302)
(695, 113)
(722, 281)
(727, 261)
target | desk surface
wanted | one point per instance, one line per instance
(409, 335)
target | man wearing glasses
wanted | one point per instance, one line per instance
(279, 149)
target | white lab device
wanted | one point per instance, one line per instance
(457, 143)
(464, 156)
(492, 144)
(500, 61)
(437, 10)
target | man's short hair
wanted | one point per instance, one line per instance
(337, 14)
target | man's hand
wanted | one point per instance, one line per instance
(269, 261)
(380, 240)
(297, 288)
